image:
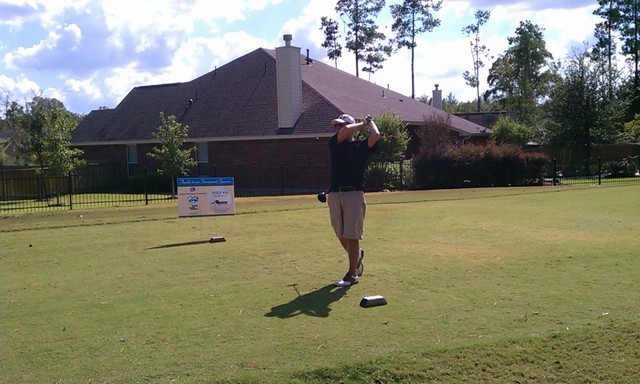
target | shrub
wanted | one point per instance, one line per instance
(389, 175)
(508, 131)
(394, 138)
(623, 168)
(632, 129)
(479, 166)
(150, 183)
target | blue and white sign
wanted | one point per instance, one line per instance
(206, 196)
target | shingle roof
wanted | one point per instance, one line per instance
(359, 97)
(239, 100)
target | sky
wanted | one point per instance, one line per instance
(91, 53)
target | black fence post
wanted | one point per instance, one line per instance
(281, 179)
(5, 187)
(599, 170)
(555, 172)
(70, 186)
(146, 188)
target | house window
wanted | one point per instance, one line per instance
(202, 159)
(132, 159)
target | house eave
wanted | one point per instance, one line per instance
(205, 139)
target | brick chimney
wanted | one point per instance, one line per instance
(289, 84)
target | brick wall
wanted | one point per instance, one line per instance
(105, 154)
(303, 152)
(289, 164)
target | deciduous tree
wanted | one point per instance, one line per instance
(175, 160)
(508, 131)
(524, 74)
(632, 130)
(43, 129)
(579, 111)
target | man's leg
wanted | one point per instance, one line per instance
(345, 243)
(352, 246)
(351, 213)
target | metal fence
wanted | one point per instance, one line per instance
(594, 172)
(27, 190)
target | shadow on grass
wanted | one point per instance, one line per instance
(315, 303)
(212, 240)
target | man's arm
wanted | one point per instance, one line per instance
(349, 130)
(374, 133)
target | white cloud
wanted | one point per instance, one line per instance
(20, 87)
(524, 4)
(234, 10)
(17, 12)
(305, 28)
(58, 50)
(119, 81)
(55, 93)
(199, 55)
(82, 88)
(98, 50)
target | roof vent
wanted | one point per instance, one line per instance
(309, 60)
(287, 40)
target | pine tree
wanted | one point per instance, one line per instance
(412, 18)
(478, 52)
(363, 37)
(331, 36)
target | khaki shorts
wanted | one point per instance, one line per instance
(347, 210)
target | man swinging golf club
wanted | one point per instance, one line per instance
(347, 204)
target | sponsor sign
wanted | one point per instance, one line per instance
(206, 196)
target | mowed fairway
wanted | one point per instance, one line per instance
(483, 285)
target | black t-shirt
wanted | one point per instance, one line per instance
(349, 162)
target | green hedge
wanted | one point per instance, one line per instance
(489, 165)
(622, 168)
(393, 175)
(150, 183)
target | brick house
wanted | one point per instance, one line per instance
(268, 108)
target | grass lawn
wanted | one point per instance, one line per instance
(519, 285)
